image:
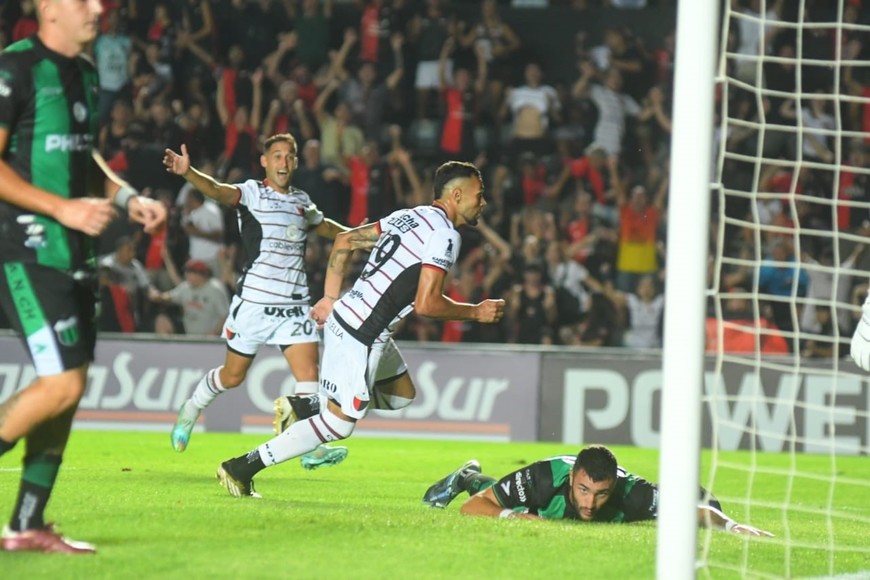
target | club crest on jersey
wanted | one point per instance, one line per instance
(230, 334)
(359, 404)
(80, 112)
(67, 331)
(293, 233)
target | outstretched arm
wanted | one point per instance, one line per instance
(710, 517)
(180, 165)
(140, 209)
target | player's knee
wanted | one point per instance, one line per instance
(64, 390)
(230, 378)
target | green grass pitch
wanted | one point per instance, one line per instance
(154, 513)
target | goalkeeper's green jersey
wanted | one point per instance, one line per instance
(542, 488)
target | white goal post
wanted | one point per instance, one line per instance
(689, 208)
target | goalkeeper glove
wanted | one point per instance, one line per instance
(861, 339)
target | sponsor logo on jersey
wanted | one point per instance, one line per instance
(68, 143)
(521, 489)
(404, 223)
(506, 487)
(34, 231)
(279, 245)
(49, 91)
(446, 264)
(80, 112)
(67, 331)
(291, 312)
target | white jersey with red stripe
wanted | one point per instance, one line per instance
(410, 240)
(274, 229)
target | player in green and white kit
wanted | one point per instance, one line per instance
(589, 487)
(55, 195)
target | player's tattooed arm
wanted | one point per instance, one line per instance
(364, 237)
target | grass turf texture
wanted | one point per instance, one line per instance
(154, 513)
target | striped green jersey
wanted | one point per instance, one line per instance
(48, 106)
(543, 489)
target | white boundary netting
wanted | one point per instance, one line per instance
(788, 275)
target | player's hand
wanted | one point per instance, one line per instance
(321, 311)
(86, 214)
(746, 530)
(148, 212)
(175, 163)
(860, 350)
(490, 311)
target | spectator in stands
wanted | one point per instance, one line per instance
(112, 134)
(777, 277)
(326, 185)
(197, 27)
(369, 100)
(751, 35)
(428, 32)
(112, 51)
(461, 101)
(241, 146)
(116, 310)
(202, 299)
(568, 279)
(814, 119)
(26, 23)
(621, 53)
(340, 139)
(639, 220)
(613, 106)
(204, 225)
(129, 273)
(531, 308)
(312, 26)
(740, 330)
(371, 188)
(498, 41)
(533, 107)
(288, 114)
(643, 309)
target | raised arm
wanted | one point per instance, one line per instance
(587, 73)
(329, 228)
(179, 164)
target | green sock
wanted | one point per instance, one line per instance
(477, 482)
(37, 481)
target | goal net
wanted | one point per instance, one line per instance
(786, 410)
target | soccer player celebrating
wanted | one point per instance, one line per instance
(413, 249)
(590, 487)
(271, 304)
(48, 172)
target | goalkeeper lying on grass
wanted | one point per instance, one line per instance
(590, 487)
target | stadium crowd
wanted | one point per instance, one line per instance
(576, 167)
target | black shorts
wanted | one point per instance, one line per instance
(53, 312)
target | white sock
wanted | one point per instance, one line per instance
(388, 402)
(307, 387)
(304, 436)
(206, 390)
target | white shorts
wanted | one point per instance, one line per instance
(249, 326)
(349, 370)
(427, 74)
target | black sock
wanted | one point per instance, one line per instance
(476, 482)
(37, 481)
(6, 445)
(247, 466)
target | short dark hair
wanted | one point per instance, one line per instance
(598, 462)
(451, 170)
(282, 137)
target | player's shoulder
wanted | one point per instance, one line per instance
(17, 56)
(299, 195)
(86, 61)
